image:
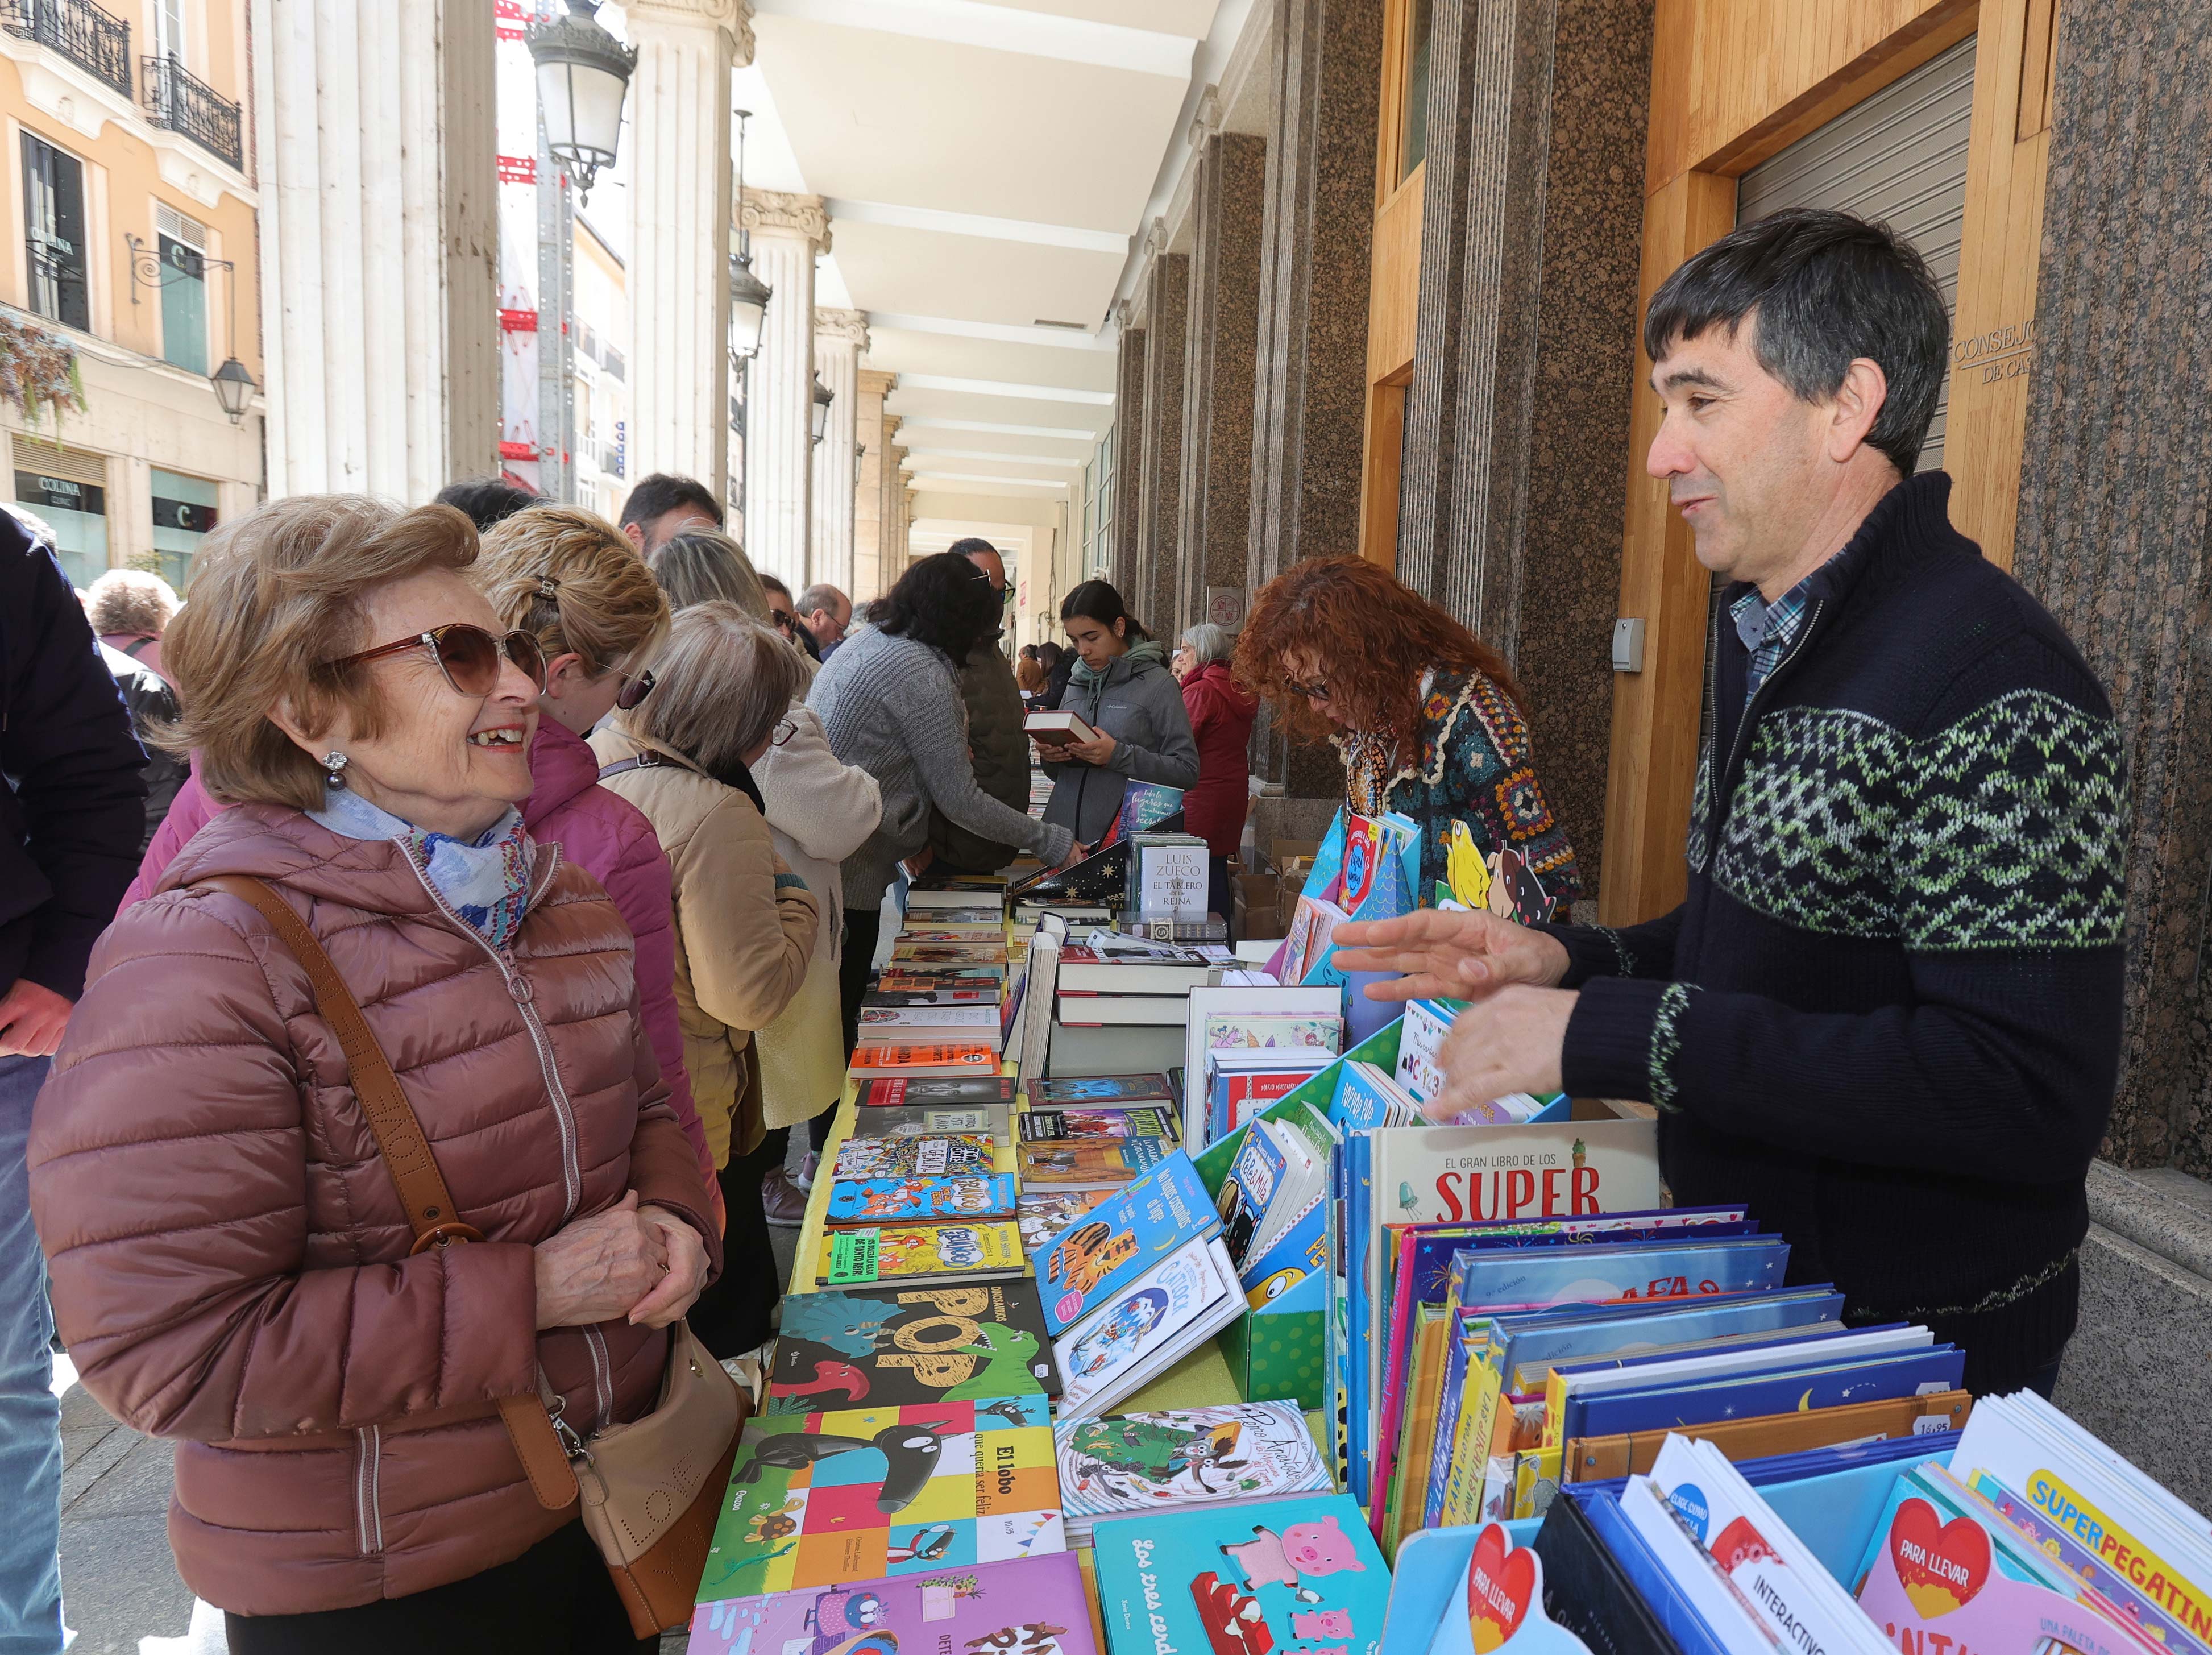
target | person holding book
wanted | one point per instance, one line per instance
(745, 923)
(1221, 713)
(1427, 719)
(1121, 687)
(1888, 1016)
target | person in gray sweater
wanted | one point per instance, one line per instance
(1121, 687)
(890, 704)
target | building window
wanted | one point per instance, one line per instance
(67, 487)
(53, 234)
(169, 30)
(183, 512)
(183, 243)
(1413, 117)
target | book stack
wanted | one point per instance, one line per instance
(1121, 1003)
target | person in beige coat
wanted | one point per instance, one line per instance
(745, 924)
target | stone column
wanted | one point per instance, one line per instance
(679, 195)
(788, 232)
(378, 245)
(840, 337)
(1127, 481)
(2115, 488)
(1159, 513)
(1226, 197)
(869, 518)
(1525, 355)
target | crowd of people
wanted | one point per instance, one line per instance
(595, 822)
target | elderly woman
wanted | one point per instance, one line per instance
(1221, 712)
(745, 923)
(819, 812)
(232, 1261)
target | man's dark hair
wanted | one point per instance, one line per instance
(943, 601)
(485, 499)
(974, 546)
(772, 584)
(1828, 287)
(663, 492)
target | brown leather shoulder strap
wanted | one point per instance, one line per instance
(399, 1134)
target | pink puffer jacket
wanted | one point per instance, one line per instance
(603, 833)
(230, 1259)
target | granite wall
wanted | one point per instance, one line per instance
(2116, 491)
(1226, 198)
(1128, 480)
(1532, 216)
(1149, 593)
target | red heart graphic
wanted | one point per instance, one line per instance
(1936, 1561)
(1501, 1583)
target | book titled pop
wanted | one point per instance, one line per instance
(909, 1345)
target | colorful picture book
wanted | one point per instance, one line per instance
(1073, 1125)
(1299, 1574)
(1136, 1335)
(1033, 1605)
(1095, 1091)
(1043, 1213)
(909, 1346)
(905, 1155)
(1087, 1163)
(918, 1253)
(856, 1494)
(1132, 1230)
(1232, 1454)
(915, 1200)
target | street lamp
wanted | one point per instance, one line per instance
(822, 397)
(859, 457)
(582, 73)
(749, 295)
(234, 387)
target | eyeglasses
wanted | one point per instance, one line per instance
(468, 655)
(783, 733)
(1316, 690)
(634, 690)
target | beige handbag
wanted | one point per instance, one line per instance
(651, 1489)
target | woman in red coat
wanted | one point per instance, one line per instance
(1221, 718)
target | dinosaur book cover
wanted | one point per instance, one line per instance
(1185, 1456)
(1286, 1577)
(856, 1494)
(891, 1349)
(1028, 1606)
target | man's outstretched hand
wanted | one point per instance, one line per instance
(1448, 955)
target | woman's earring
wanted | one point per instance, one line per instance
(334, 764)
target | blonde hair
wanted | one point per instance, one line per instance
(702, 566)
(276, 595)
(725, 681)
(129, 600)
(575, 581)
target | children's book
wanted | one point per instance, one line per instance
(1043, 1213)
(994, 1122)
(902, 1092)
(905, 1155)
(1420, 1042)
(1032, 1605)
(1095, 1091)
(1298, 1575)
(856, 1494)
(904, 1253)
(1087, 1163)
(1139, 1332)
(1133, 1229)
(909, 1345)
(1181, 1457)
(1236, 1095)
(934, 1058)
(1258, 1168)
(1264, 1031)
(1073, 1125)
(857, 1201)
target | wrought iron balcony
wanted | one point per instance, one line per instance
(82, 32)
(180, 101)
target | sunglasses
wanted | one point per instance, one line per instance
(1316, 690)
(468, 655)
(634, 690)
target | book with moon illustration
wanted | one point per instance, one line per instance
(892, 1348)
(1024, 1606)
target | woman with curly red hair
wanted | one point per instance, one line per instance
(1425, 714)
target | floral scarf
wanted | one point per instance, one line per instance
(485, 880)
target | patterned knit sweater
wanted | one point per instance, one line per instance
(1888, 1014)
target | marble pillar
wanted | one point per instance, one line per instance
(891, 561)
(870, 497)
(1226, 196)
(840, 336)
(2115, 490)
(378, 245)
(1151, 595)
(788, 232)
(1127, 482)
(1525, 353)
(679, 198)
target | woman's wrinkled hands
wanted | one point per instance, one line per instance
(602, 1268)
(687, 1270)
(1449, 955)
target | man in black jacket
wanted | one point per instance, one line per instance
(1888, 1014)
(996, 741)
(70, 820)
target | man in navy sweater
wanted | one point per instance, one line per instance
(1888, 1014)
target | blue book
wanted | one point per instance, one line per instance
(1534, 1276)
(1300, 1252)
(1552, 1342)
(1117, 1241)
(1359, 1195)
(1794, 1388)
(1653, 1583)
(1286, 1574)
(1253, 1178)
(1468, 1341)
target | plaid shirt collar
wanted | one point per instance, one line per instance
(1768, 629)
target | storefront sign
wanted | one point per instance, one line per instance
(188, 516)
(60, 494)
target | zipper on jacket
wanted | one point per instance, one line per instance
(603, 1376)
(1724, 781)
(367, 1495)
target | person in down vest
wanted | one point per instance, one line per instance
(231, 1262)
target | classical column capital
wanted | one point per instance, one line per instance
(1206, 118)
(772, 212)
(733, 17)
(848, 325)
(875, 381)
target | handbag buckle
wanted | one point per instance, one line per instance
(571, 1444)
(439, 1235)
